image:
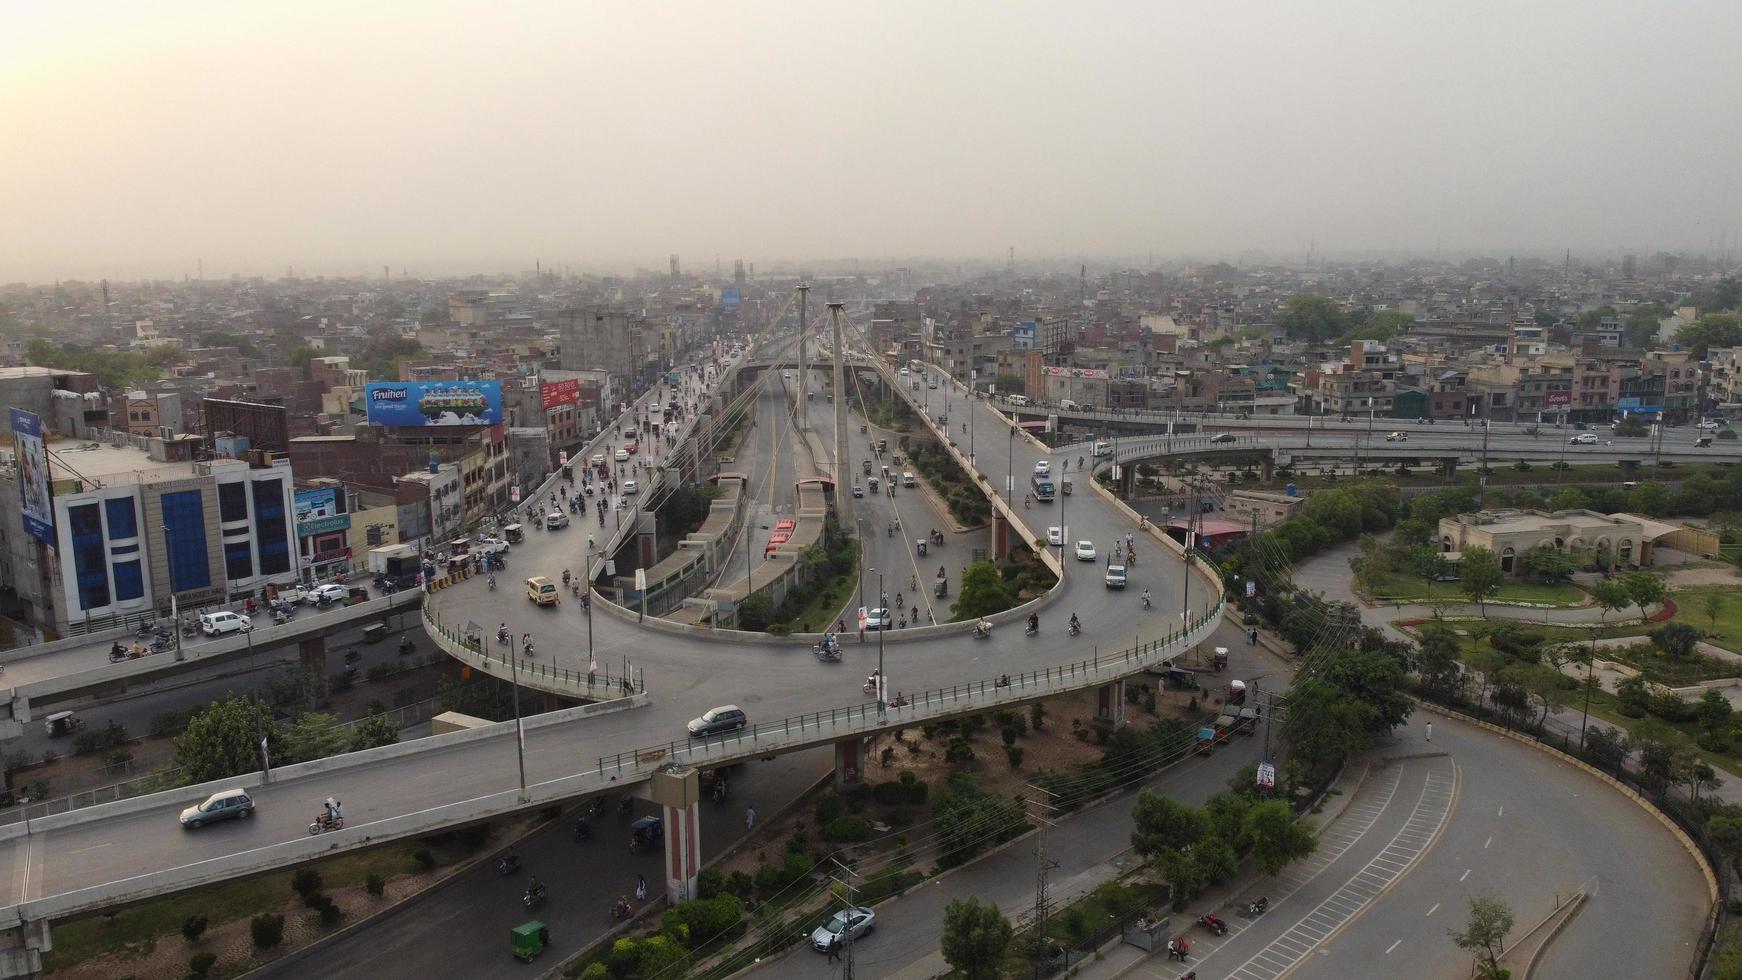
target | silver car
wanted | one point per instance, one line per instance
(835, 930)
(222, 805)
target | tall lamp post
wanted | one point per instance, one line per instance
(1009, 468)
(519, 732)
(174, 608)
(882, 626)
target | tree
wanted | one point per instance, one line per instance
(1644, 588)
(1642, 325)
(223, 740)
(1712, 604)
(1709, 331)
(1161, 824)
(1630, 425)
(1610, 596)
(1479, 575)
(1437, 659)
(1713, 711)
(1484, 935)
(1676, 639)
(300, 356)
(315, 735)
(1276, 838)
(976, 938)
(375, 731)
(1548, 565)
(983, 592)
(1725, 294)
(1382, 325)
(1311, 316)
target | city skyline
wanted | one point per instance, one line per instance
(198, 138)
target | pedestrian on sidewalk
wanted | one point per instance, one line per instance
(749, 818)
(640, 888)
(1430, 731)
(834, 948)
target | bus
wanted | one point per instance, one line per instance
(1042, 486)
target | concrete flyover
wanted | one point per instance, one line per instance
(96, 857)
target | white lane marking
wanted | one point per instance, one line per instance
(1431, 911)
(1486, 843)
(1393, 946)
(1502, 812)
(1466, 874)
(91, 848)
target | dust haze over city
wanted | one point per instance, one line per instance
(655, 489)
(444, 138)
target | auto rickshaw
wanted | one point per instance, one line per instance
(921, 543)
(645, 834)
(867, 467)
(357, 594)
(515, 533)
(942, 589)
(374, 632)
(1065, 487)
(528, 940)
(1221, 660)
(62, 723)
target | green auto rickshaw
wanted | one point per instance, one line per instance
(528, 940)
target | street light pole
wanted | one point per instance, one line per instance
(861, 522)
(519, 732)
(1009, 469)
(881, 628)
(174, 609)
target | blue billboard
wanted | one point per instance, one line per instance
(422, 403)
(731, 298)
(37, 504)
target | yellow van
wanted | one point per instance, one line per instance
(542, 591)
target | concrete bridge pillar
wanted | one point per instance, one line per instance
(1449, 467)
(1127, 480)
(1267, 467)
(850, 762)
(646, 539)
(313, 654)
(21, 948)
(1110, 703)
(679, 792)
(1001, 534)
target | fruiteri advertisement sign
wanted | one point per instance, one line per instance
(424, 403)
(38, 505)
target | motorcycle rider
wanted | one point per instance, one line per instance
(1076, 626)
(1146, 598)
(983, 628)
(1034, 622)
(332, 812)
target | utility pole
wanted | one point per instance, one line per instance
(803, 292)
(1482, 470)
(840, 383)
(846, 883)
(1185, 595)
(1041, 867)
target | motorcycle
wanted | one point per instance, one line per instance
(982, 632)
(1213, 924)
(509, 864)
(534, 896)
(502, 637)
(160, 644)
(621, 911)
(870, 685)
(492, 583)
(324, 823)
(406, 646)
(1146, 602)
(117, 654)
(1031, 629)
(1076, 628)
(1258, 907)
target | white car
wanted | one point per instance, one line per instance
(329, 593)
(1085, 551)
(1396, 437)
(598, 459)
(490, 546)
(877, 619)
(1711, 425)
(629, 488)
(859, 920)
(1583, 439)
(622, 455)
(654, 408)
(1043, 468)
(933, 385)
(219, 623)
(1055, 536)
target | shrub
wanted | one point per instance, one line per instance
(705, 918)
(267, 930)
(305, 882)
(1715, 742)
(375, 884)
(847, 830)
(740, 884)
(906, 791)
(798, 843)
(425, 860)
(168, 723)
(316, 900)
(331, 914)
(829, 807)
(202, 964)
(959, 752)
(1014, 754)
(1670, 707)
(193, 927)
(710, 883)
(340, 682)
(474, 836)
(1009, 735)
(1037, 716)
(595, 971)
(379, 672)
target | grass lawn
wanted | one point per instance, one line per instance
(1409, 588)
(825, 603)
(136, 929)
(1727, 630)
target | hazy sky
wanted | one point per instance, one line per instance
(138, 136)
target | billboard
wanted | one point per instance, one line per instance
(1098, 374)
(317, 512)
(557, 393)
(731, 298)
(37, 505)
(1555, 399)
(425, 403)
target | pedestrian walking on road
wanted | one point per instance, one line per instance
(1430, 731)
(640, 888)
(834, 948)
(749, 818)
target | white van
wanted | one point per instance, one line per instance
(1068, 405)
(1020, 400)
(907, 479)
(1103, 448)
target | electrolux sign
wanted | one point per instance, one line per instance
(37, 504)
(317, 512)
(429, 403)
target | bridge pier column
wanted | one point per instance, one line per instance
(21, 949)
(1267, 468)
(679, 792)
(1001, 532)
(850, 762)
(1110, 703)
(646, 539)
(1449, 467)
(1127, 480)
